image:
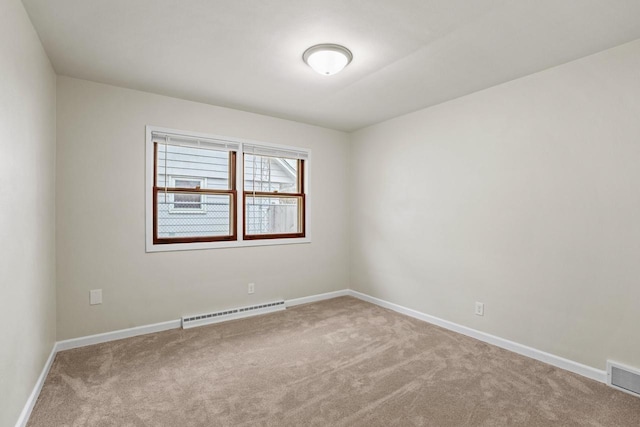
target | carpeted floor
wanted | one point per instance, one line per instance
(341, 362)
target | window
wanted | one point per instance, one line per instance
(273, 196)
(193, 176)
(192, 199)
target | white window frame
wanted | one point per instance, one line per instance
(240, 242)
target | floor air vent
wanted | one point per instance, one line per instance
(623, 378)
(234, 313)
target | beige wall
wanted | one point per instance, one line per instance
(525, 196)
(27, 263)
(101, 215)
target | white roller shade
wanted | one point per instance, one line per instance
(194, 142)
(262, 150)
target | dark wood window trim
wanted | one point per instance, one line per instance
(301, 212)
(231, 192)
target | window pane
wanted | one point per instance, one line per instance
(176, 163)
(212, 219)
(187, 183)
(272, 215)
(263, 173)
(187, 201)
(183, 201)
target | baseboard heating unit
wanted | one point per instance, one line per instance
(230, 314)
(623, 378)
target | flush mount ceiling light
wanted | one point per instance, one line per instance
(327, 59)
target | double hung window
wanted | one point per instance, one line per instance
(207, 191)
(194, 191)
(274, 199)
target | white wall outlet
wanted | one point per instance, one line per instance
(479, 309)
(251, 288)
(95, 296)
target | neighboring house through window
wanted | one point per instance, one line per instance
(193, 176)
(193, 193)
(274, 199)
(185, 202)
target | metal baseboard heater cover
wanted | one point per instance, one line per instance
(230, 314)
(623, 378)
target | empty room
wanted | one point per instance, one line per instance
(338, 213)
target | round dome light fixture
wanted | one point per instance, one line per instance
(327, 59)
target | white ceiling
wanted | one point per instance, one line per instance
(247, 54)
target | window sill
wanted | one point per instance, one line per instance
(171, 247)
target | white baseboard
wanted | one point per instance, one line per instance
(127, 333)
(33, 397)
(551, 359)
(171, 324)
(318, 297)
(117, 335)
(524, 350)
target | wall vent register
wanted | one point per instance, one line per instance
(623, 378)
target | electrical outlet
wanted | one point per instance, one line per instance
(479, 309)
(251, 288)
(95, 297)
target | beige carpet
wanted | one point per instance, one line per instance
(341, 362)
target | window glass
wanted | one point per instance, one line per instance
(265, 173)
(205, 189)
(273, 197)
(194, 198)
